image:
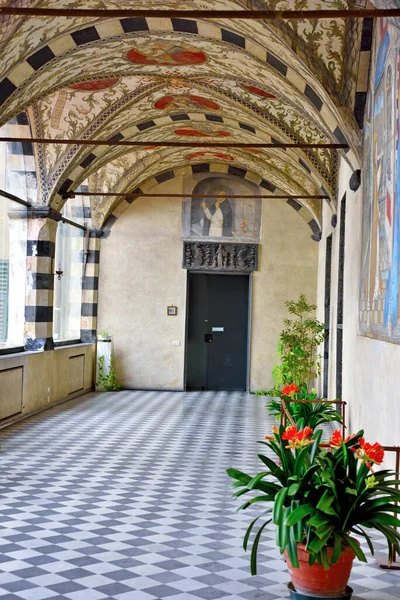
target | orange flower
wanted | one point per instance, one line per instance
(275, 429)
(337, 439)
(290, 432)
(370, 453)
(297, 439)
(290, 390)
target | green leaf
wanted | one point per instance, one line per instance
(337, 548)
(309, 473)
(278, 505)
(384, 519)
(300, 460)
(240, 493)
(292, 550)
(283, 530)
(299, 513)
(250, 527)
(360, 531)
(317, 520)
(293, 489)
(355, 547)
(273, 467)
(254, 500)
(325, 501)
(318, 543)
(266, 486)
(296, 532)
(253, 560)
(317, 437)
(325, 561)
(239, 475)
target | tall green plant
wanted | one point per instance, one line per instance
(298, 347)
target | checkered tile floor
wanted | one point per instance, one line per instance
(124, 496)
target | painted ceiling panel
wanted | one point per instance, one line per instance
(181, 79)
(68, 114)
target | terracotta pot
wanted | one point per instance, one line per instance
(315, 580)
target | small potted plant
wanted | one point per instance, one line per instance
(321, 495)
(107, 379)
(104, 336)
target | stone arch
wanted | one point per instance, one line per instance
(300, 206)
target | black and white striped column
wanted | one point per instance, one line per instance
(41, 238)
(90, 286)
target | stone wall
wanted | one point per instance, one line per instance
(141, 274)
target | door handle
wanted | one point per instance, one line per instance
(208, 338)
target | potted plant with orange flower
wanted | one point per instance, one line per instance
(321, 495)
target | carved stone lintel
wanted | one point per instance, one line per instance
(215, 256)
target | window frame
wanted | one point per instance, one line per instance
(17, 200)
(20, 349)
(74, 342)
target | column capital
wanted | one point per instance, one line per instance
(96, 233)
(43, 212)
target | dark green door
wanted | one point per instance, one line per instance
(216, 351)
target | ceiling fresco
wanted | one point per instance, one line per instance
(131, 171)
(153, 79)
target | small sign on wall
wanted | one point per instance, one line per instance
(172, 311)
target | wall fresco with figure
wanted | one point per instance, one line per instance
(379, 314)
(219, 215)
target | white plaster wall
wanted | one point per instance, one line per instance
(287, 268)
(370, 367)
(141, 273)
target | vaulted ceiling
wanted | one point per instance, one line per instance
(169, 79)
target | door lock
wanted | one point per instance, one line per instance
(208, 338)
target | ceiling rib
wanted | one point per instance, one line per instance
(201, 14)
(133, 195)
(171, 144)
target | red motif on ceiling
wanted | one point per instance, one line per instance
(201, 131)
(258, 91)
(215, 154)
(94, 86)
(161, 53)
(186, 102)
(255, 150)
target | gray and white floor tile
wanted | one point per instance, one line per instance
(124, 496)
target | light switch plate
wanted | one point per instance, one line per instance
(176, 343)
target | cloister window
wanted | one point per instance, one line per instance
(69, 259)
(17, 177)
(13, 233)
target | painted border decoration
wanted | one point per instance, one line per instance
(379, 306)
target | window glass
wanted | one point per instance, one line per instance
(13, 232)
(17, 170)
(68, 282)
